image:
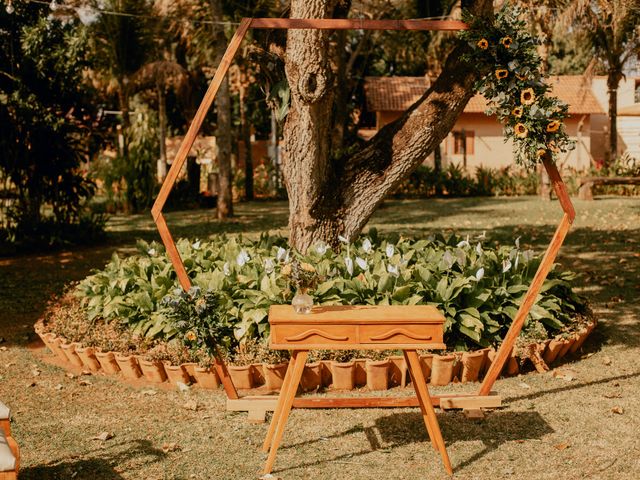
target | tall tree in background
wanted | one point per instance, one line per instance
(335, 194)
(612, 27)
(223, 111)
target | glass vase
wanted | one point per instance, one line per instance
(302, 302)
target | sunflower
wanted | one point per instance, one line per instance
(191, 336)
(541, 152)
(506, 41)
(483, 44)
(517, 112)
(500, 74)
(527, 97)
(553, 126)
(521, 130)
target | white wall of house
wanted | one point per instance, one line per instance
(628, 127)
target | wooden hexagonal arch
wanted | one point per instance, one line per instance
(353, 24)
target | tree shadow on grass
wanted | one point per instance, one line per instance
(404, 428)
(103, 466)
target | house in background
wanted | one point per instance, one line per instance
(628, 118)
(477, 139)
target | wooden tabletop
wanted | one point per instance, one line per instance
(357, 314)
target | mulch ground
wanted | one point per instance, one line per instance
(578, 421)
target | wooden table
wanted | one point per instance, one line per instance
(402, 327)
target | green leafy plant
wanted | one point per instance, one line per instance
(200, 318)
(478, 288)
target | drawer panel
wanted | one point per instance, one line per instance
(313, 335)
(401, 334)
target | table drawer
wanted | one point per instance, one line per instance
(401, 334)
(313, 335)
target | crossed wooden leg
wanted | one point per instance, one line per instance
(428, 413)
(285, 402)
(278, 411)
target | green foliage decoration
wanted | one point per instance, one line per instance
(515, 88)
(476, 287)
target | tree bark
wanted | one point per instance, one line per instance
(331, 196)
(248, 154)
(612, 84)
(223, 110)
(162, 133)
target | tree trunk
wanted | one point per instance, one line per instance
(613, 116)
(336, 196)
(248, 154)
(162, 133)
(223, 110)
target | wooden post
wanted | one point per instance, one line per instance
(539, 278)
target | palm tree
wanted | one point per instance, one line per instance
(612, 27)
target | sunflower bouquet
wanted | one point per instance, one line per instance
(515, 87)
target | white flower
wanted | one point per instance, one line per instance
(151, 252)
(518, 242)
(463, 243)
(196, 245)
(343, 239)
(506, 265)
(515, 265)
(393, 270)
(226, 269)
(366, 246)
(483, 236)
(479, 250)
(389, 251)
(362, 263)
(268, 265)
(242, 258)
(281, 254)
(448, 259)
(349, 263)
(322, 248)
(527, 255)
(480, 274)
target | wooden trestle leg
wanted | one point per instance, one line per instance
(429, 414)
(285, 402)
(278, 411)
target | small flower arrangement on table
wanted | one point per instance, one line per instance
(301, 277)
(515, 88)
(201, 320)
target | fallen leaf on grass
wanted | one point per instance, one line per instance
(564, 375)
(32, 384)
(606, 361)
(36, 372)
(103, 436)
(524, 385)
(619, 410)
(613, 395)
(191, 405)
(149, 392)
(58, 386)
(3, 349)
(561, 446)
(183, 387)
(70, 375)
(84, 383)
(170, 447)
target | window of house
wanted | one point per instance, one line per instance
(462, 139)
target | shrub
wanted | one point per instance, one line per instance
(476, 287)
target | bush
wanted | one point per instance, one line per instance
(454, 181)
(476, 287)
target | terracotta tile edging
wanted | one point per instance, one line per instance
(550, 351)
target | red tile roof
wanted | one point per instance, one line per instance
(399, 93)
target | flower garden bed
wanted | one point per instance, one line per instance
(132, 318)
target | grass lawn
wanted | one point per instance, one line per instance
(552, 426)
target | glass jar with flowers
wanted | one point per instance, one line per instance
(302, 277)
